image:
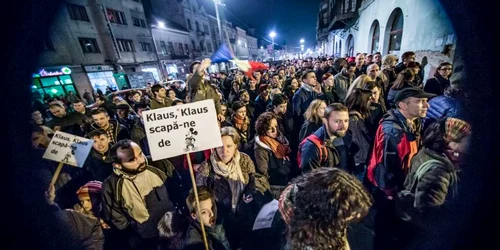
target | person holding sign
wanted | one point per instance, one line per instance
(135, 196)
(201, 90)
(216, 235)
(231, 175)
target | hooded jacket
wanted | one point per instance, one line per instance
(395, 145)
(200, 90)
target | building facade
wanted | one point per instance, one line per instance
(241, 46)
(253, 48)
(389, 27)
(197, 22)
(95, 45)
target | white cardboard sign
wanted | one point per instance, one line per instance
(68, 149)
(182, 129)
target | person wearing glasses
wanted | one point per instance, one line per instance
(441, 79)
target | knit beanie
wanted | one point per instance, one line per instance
(456, 129)
(92, 190)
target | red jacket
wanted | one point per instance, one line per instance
(395, 145)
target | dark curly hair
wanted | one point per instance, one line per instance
(264, 122)
(434, 136)
(325, 203)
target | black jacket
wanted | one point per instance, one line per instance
(307, 129)
(120, 131)
(360, 138)
(276, 170)
(99, 165)
(216, 238)
(72, 123)
(436, 85)
(138, 135)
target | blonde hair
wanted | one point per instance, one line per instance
(311, 113)
(231, 132)
(358, 83)
(387, 61)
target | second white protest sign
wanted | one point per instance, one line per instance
(182, 129)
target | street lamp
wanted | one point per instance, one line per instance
(272, 35)
(302, 41)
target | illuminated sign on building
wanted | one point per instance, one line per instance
(45, 72)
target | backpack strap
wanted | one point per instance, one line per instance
(323, 152)
(422, 169)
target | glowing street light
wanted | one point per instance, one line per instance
(161, 25)
(302, 41)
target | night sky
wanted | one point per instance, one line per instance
(291, 19)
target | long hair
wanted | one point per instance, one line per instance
(436, 137)
(405, 76)
(325, 203)
(311, 113)
(359, 101)
(436, 73)
(358, 83)
(388, 60)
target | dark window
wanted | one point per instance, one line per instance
(125, 45)
(350, 45)
(115, 16)
(396, 34)
(189, 25)
(209, 47)
(171, 48)
(181, 49)
(47, 45)
(375, 37)
(197, 25)
(137, 1)
(146, 47)
(89, 45)
(78, 12)
(205, 27)
(163, 47)
(186, 47)
(138, 22)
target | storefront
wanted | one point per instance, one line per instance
(152, 69)
(52, 82)
(101, 77)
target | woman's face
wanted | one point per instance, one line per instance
(321, 110)
(375, 95)
(171, 94)
(242, 112)
(462, 146)
(236, 87)
(294, 84)
(272, 131)
(223, 109)
(136, 97)
(226, 152)
(329, 81)
(445, 71)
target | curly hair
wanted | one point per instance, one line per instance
(325, 203)
(264, 122)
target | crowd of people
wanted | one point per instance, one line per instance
(363, 153)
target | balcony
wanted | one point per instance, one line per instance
(340, 20)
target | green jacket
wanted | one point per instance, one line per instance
(155, 104)
(199, 90)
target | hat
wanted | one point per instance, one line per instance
(351, 59)
(122, 106)
(412, 92)
(456, 129)
(92, 187)
(263, 87)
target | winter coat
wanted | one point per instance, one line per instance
(155, 104)
(342, 84)
(444, 106)
(200, 90)
(436, 85)
(395, 144)
(157, 202)
(307, 129)
(260, 106)
(276, 170)
(120, 131)
(394, 92)
(301, 101)
(83, 230)
(216, 238)
(339, 152)
(360, 137)
(99, 165)
(330, 96)
(70, 124)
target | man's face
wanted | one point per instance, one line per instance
(116, 100)
(311, 79)
(350, 71)
(330, 62)
(375, 95)
(37, 117)
(410, 58)
(276, 80)
(79, 107)
(58, 112)
(239, 76)
(374, 71)
(223, 109)
(338, 123)
(123, 113)
(39, 140)
(245, 97)
(281, 73)
(414, 107)
(360, 60)
(223, 76)
(272, 131)
(208, 213)
(252, 83)
(280, 109)
(162, 93)
(265, 93)
(257, 75)
(101, 143)
(369, 59)
(102, 120)
(132, 161)
(100, 101)
(377, 58)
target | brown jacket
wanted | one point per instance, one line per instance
(155, 104)
(200, 90)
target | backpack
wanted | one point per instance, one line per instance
(323, 151)
(405, 199)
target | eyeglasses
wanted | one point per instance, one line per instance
(445, 69)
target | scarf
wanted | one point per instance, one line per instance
(279, 146)
(241, 123)
(232, 173)
(134, 189)
(306, 87)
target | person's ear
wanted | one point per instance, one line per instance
(193, 215)
(117, 166)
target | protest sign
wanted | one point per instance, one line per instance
(276, 191)
(182, 129)
(68, 149)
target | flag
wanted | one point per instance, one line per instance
(249, 66)
(223, 54)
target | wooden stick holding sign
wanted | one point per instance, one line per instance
(56, 174)
(181, 130)
(197, 199)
